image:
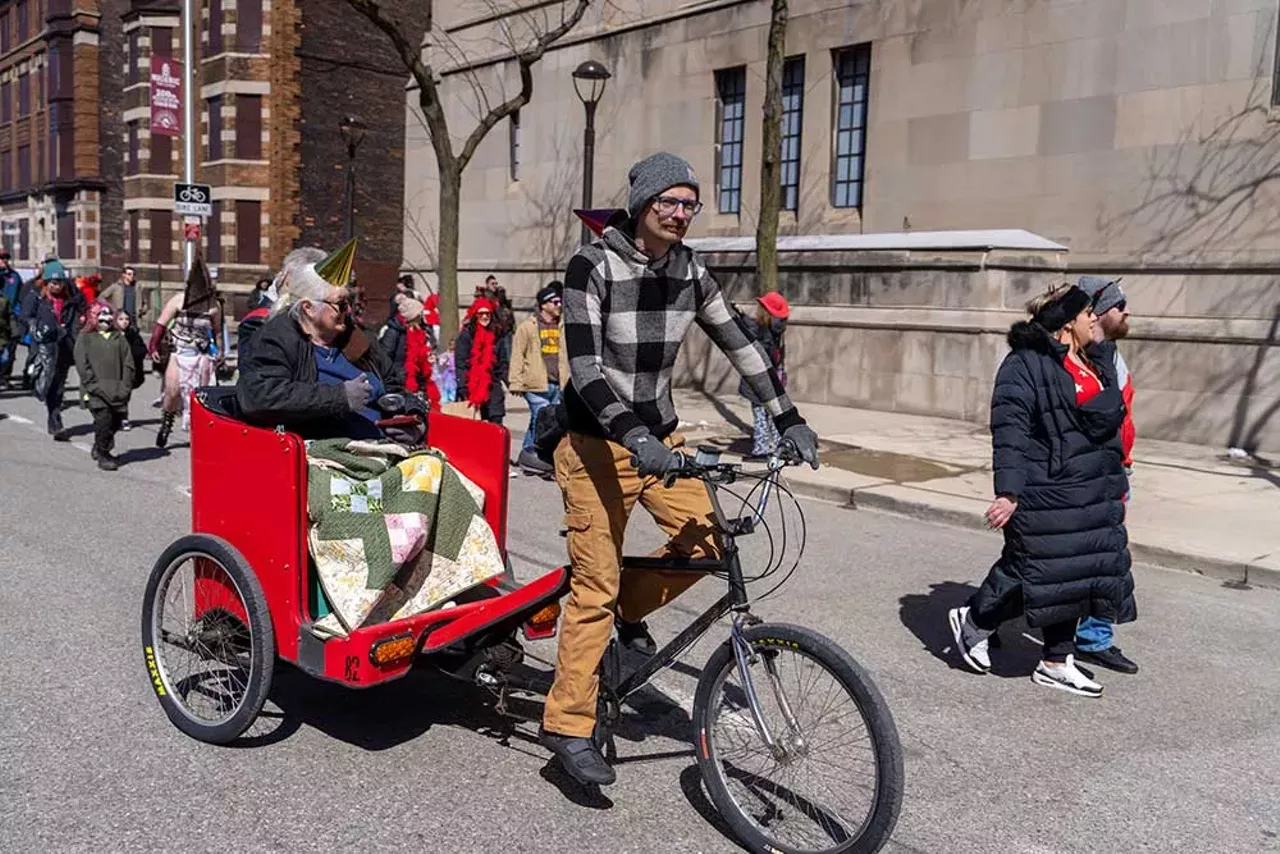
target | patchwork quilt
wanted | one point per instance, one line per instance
(392, 533)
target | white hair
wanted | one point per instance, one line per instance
(287, 288)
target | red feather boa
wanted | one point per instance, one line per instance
(480, 374)
(417, 365)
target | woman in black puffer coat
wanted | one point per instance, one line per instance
(1060, 484)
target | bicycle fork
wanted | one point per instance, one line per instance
(745, 656)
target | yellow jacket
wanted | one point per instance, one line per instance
(528, 371)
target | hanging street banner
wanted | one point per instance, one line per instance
(166, 96)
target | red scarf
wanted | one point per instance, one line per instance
(417, 365)
(480, 377)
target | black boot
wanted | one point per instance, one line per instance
(107, 462)
(636, 637)
(580, 758)
(166, 427)
(56, 428)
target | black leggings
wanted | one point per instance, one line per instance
(1059, 638)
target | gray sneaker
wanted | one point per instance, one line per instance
(971, 641)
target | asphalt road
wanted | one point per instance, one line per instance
(1183, 757)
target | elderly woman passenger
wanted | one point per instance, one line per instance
(297, 374)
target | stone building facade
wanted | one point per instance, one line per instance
(1140, 137)
(271, 92)
(59, 104)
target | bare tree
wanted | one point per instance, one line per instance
(771, 158)
(526, 49)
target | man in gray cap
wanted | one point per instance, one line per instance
(1111, 307)
(629, 299)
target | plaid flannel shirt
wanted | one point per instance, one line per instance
(625, 316)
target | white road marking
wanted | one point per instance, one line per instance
(20, 420)
(87, 448)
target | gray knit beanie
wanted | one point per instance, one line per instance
(1105, 293)
(656, 173)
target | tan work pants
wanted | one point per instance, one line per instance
(600, 488)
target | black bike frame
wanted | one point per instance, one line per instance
(735, 600)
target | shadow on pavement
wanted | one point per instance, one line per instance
(925, 615)
(141, 455)
(691, 786)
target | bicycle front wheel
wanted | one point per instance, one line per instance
(832, 781)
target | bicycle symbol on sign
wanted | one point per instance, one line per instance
(192, 193)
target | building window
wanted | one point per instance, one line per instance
(248, 232)
(249, 26)
(135, 53)
(731, 93)
(792, 116)
(213, 234)
(513, 145)
(5, 42)
(131, 167)
(161, 154)
(24, 95)
(161, 41)
(6, 170)
(24, 239)
(23, 30)
(134, 227)
(24, 166)
(215, 27)
(1275, 83)
(249, 127)
(215, 127)
(853, 68)
(162, 237)
(6, 101)
(65, 228)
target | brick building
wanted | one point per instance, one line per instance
(59, 108)
(271, 90)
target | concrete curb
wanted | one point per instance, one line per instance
(943, 509)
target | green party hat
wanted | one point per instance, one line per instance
(336, 268)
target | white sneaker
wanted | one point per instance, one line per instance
(971, 641)
(1066, 677)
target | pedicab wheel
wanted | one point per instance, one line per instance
(207, 639)
(833, 780)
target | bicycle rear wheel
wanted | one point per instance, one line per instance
(833, 781)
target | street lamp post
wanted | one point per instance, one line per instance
(589, 80)
(352, 134)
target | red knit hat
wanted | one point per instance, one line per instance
(480, 303)
(776, 304)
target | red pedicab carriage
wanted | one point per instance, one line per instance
(226, 600)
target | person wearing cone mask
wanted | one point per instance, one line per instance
(310, 371)
(630, 298)
(191, 322)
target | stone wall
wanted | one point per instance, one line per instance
(925, 332)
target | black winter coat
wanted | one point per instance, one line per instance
(1066, 551)
(59, 330)
(501, 365)
(279, 384)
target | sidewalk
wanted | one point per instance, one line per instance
(1192, 508)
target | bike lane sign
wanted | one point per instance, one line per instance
(193, 199)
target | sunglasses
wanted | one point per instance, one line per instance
(342, 306)
(483, 314)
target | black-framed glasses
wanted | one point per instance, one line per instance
(666, 205)
(342, 306)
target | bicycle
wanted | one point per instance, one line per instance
(758, 710)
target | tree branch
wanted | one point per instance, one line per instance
(411, 55)
(526, 59)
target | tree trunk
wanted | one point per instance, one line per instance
(447, 251)
(771, 159)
